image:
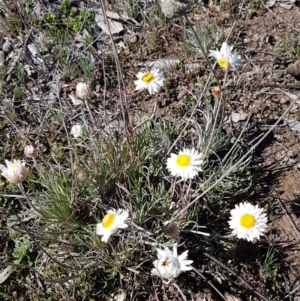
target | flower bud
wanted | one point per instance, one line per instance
(76, 130)
(216, 91)
(30, 151)
(83, 90)
(14, 172)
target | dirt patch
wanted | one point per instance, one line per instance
(280, 162)
(287, 224)
(269, 35)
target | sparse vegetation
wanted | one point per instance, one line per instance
(204, 104)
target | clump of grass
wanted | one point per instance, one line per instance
(115, 171)
(207, 34)
(289, 45)
(67, 17)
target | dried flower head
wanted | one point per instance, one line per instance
(30, 151)
(170, 229)
(216, 91)
(83, 90)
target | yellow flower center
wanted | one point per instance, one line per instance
(183, 160)
(166, 263)
(223, 62)
(108, 219)
(147, 77)
(247, 220)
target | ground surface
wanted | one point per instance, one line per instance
(37, 83)
(266, 34)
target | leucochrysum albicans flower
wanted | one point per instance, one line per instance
(226, 56)
(111, 223)
(169, 265)
(186, 164)
(248, 221)
(151, 81)
(14, 171)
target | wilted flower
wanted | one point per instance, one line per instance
(14, 172)
(226, 56)
(83, 90)
(170, 229)
(30, 151)
(152, 81)
(248, 221)
(186, 164)
(111, 223)
(76, 130)
(169, 265)
(216, 91)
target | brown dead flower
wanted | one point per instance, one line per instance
(216, 91)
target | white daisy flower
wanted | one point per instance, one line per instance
(111, 223)
(186, 164)
(83, 90)
(152, 81)
(76, 130)
(14, 172)
(247, 221)
(169, 265)
(226, 57)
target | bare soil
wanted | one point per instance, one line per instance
(263, 35)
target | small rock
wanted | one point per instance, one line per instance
(284, 101)
(174, 8)
(6, 46)
(294, 69)
(131, 37)
(238, 116)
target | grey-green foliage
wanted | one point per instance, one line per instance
(55, 198)
(206, 35)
